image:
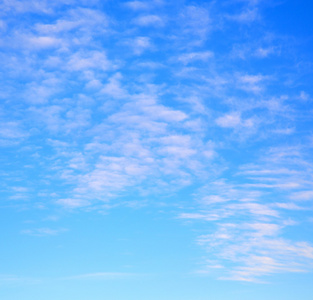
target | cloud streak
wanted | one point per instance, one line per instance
(153, 104)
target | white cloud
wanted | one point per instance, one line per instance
(285, 185)
(195, 24)
(50, 116)
(30, 6)
(302, 196)
(264, 229)
(11, 131)
(260, 49)
(304, 96)
(195, 56)
(40, 92)
(100, 276)
(113, 87)
(253, 246)
(196, 20)
(149, 20)
(44, 42)
(264, 52)
(13, 279)
(115, 122)
(140, 44)
(43, 231)
(164, 113)
(246, 16)
(72, 202)
(258, 252)
(78, 18)
(89, 60)
(138, 5)
(291, 206)
(254, 208)
(213, 199)
(253, 170)
(229, 120)
(203, 216)
(76, 118)
(3, 25)
(234, 120)
(251, 83)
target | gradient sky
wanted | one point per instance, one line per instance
(156, 150)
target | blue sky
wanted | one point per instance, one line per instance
(156, 150)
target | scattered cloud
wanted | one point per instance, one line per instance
(246, 16)
(149, 20)
(87, 61)
(140, 44)
(6, 279)
(72, 203)
(102, 109)
(137, 5)
(234, 120)
(196, 21)
(100, 276)
(195, 56)
(40, 232)
(302, 195)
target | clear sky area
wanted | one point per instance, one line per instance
(156, 150)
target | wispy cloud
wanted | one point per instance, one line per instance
(100, 276)
(40, 232)
(137, 5)
(7, 280)
(149, 20)
(233, 120)
(137, 101)
(246, 16)
(140, 44)
(302, 195)
(254, 243)
(195, 56)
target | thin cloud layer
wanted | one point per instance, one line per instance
(103, 104)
